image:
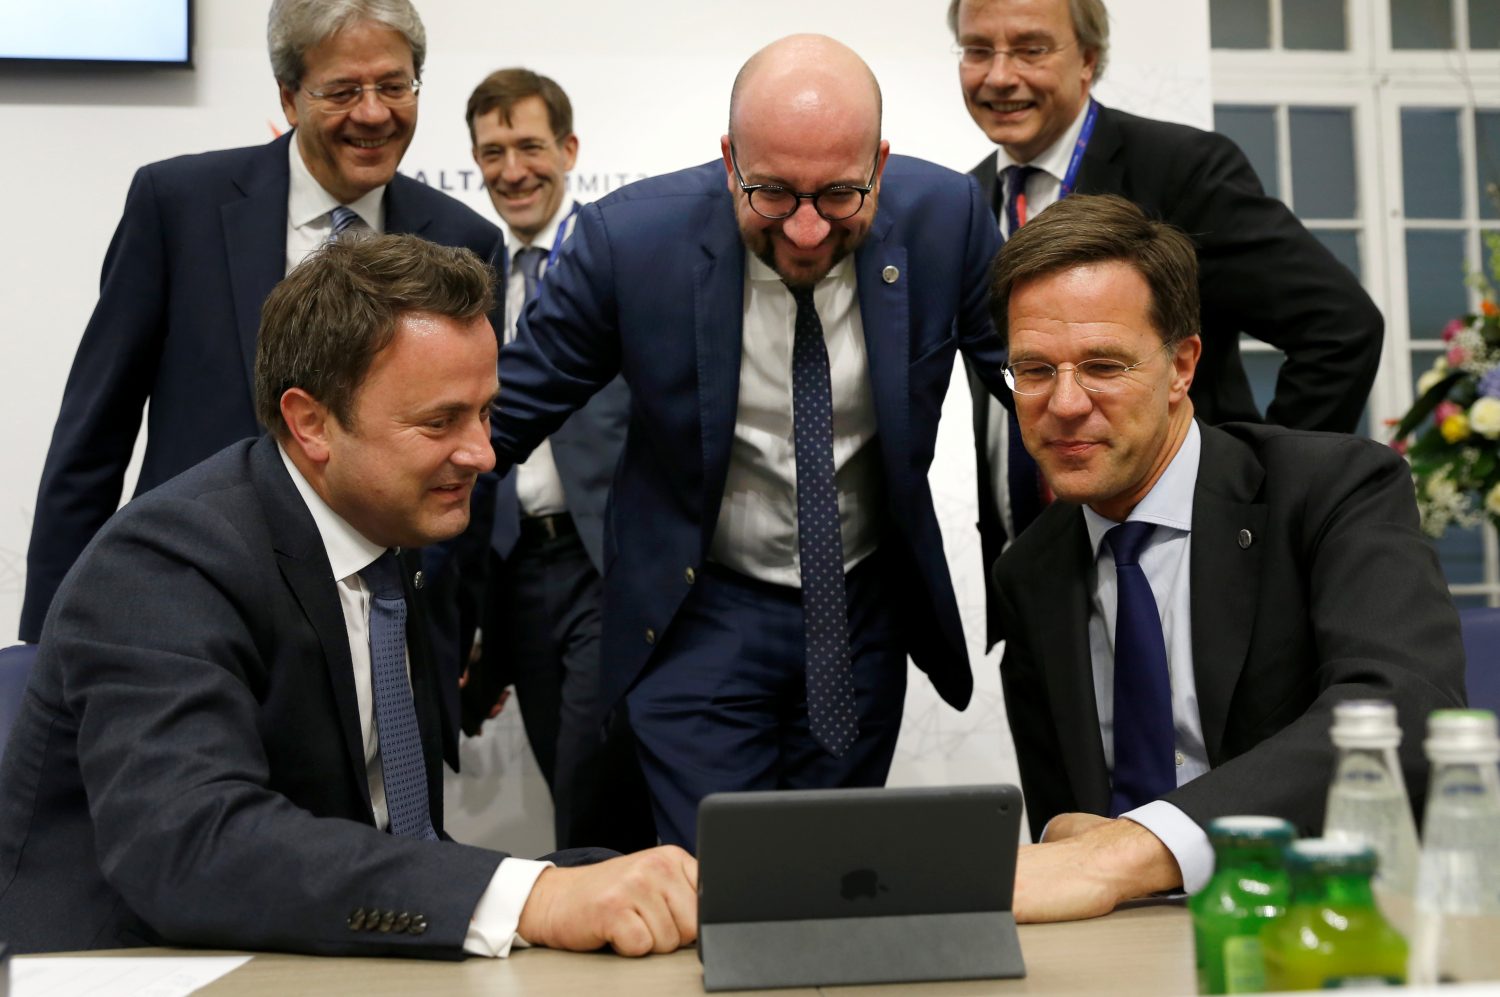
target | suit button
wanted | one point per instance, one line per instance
(418, 924)
(357, 919)
(388, 921)
(403, 921)
(650, 636)
(690, 575)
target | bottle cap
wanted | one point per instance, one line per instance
(1250, 830)
(1325, 855)
(1462, 736)
(1365, 723)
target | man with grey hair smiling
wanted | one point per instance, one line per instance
(202, 241)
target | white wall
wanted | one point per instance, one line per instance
(650, 83)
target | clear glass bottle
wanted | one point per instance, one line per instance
(1332, 935)
(1368, 803)
(1248, 889)
(1457, 934)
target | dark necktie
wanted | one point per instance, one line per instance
(507, 528)
(341, 217)
(401, 761)
(1144, 738)
(820, 541)
(1021, 473)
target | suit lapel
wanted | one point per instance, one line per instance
(304, 565)
(718, 323)
(1102, 170)
(255, 240)
(885, 313)
(404, 214)
(987, 174)
(1229, 518)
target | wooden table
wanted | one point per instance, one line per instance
(1143, 950)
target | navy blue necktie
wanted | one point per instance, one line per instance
(820, 541)
(507, 528)
(401, 761)
(341, 217)
(1021, 473)
(1145, 767)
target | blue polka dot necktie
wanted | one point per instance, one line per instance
(341, 218)
(401, 761)
(820, 542)
(1145, 768)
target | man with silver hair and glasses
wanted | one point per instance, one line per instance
(1027, 69)
(202, 241)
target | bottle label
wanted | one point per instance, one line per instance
(1347, 982)
(1244, 965)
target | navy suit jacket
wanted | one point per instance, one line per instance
(1311, 584)
(200, 245)
(187, 767)
(1260, 272)
(651, 286)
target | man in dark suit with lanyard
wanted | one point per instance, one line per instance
(202, 241)
(541, 620)
(1026, 68)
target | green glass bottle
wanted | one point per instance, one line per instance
(1249, 888)
(1332, 934)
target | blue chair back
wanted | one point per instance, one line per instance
(1481, 629)
(15, 669)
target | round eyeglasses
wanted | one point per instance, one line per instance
(982, 56)
(1033, 377)
(834, 202)
(341, 97)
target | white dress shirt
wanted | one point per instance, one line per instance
(539, 487)
(1166, 561)
(1042, 189)
(756, 534)
(492, 929)
(308, 223)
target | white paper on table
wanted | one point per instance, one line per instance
(107, 976)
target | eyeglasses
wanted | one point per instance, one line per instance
(345, 96)
(834, 203)
(982, 56)
(1033, 377)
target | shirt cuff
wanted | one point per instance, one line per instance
(492, 929)
(1187, 842)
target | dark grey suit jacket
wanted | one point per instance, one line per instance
(1260, 273)
(187, 768)
(1337, 596)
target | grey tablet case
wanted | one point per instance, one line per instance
(801, 888)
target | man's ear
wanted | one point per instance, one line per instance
(308, 424)
(1185, 364)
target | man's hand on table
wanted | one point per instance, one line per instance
(637, 904)
(1087, 865)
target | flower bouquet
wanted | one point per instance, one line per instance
(1451, 435)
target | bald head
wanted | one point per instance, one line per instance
(807, 81)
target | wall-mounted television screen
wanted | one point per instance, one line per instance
(153, 32)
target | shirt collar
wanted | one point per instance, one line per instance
(1055, 158)
(1169, 503)
(547, 237)
(348, 550)
(307, 201)
(758, 271)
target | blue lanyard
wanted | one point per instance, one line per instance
(1070, 178)
(564, 229)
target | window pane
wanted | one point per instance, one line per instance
(1315, 24)
(1323, 162)
(1435, 269)
(1343, 244)
(1239, 23)
(1430, 164)
(1253, 129)
(1484, 23)
(1421, 24)
(1487, 148)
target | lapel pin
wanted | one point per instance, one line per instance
(890, 274)
(416, 580)
(1246, 539)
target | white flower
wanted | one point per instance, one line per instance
(1484, 418)
(1492, 501)
(1438, 371)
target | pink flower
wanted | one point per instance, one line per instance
(1456, 356)
(1443, 411)
(1399, 446)
(1452, 329)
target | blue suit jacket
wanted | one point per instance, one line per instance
(200, 244)
(651, 286)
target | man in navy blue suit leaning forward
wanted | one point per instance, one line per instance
(787, 318)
